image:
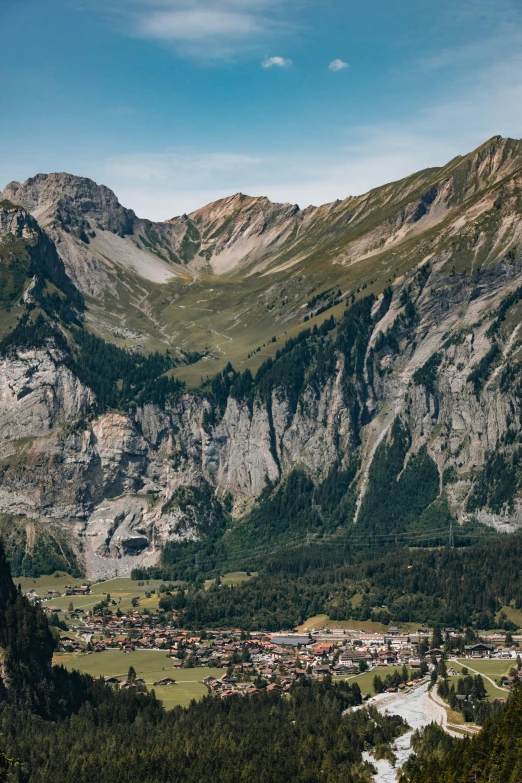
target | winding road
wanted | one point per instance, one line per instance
(485, 676)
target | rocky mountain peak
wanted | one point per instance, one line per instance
(239, 204)
(71, 201)
(485, 166)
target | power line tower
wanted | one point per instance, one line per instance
(451, 539)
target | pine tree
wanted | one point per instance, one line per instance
(5, 765)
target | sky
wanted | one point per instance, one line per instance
(176, 103)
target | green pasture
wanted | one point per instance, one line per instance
(365, 680)
(490, 668)
(232, 579)
(321, 621)
(50, 582)
(151, 665)
(493, 669)
(121, 589)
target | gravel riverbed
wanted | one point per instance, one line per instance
(418, 710)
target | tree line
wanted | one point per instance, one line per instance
(460, 587)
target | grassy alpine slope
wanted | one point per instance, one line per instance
(229, 296)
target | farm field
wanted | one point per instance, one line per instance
(152, 666)
(51, 582)
(123, 589)
(232, 579)
(492, 691)
(494, 670)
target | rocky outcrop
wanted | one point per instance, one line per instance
(21, 233)
(38, 394)
(93, 232)
(72, 201)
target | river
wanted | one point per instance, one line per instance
(418, 710)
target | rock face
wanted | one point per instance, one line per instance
(71, 200)
(38, 394)
(23, 232)
(441, 353)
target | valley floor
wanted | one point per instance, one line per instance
(150, 665)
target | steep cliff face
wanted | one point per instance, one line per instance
(423, 359)
(26, 252)
(38, 394)
(111, 481)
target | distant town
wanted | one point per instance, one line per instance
(256, 660)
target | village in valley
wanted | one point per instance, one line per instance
(242, 663)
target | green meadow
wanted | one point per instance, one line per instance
(121, 589)
(151, 665)
(365, 680)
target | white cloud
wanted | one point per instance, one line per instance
(277, 62)
(338, 65)
(199, 25)
(205, 29)
(160, 185)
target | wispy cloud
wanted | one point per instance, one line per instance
(338, 65)
(178, 165)
(276, 62)
(160, 185)
(202, 28)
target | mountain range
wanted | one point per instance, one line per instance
(167, 384)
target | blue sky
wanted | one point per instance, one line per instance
(174, 103)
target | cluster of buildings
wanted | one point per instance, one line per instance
(278, 659)
(260, 659)
(333, 651)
